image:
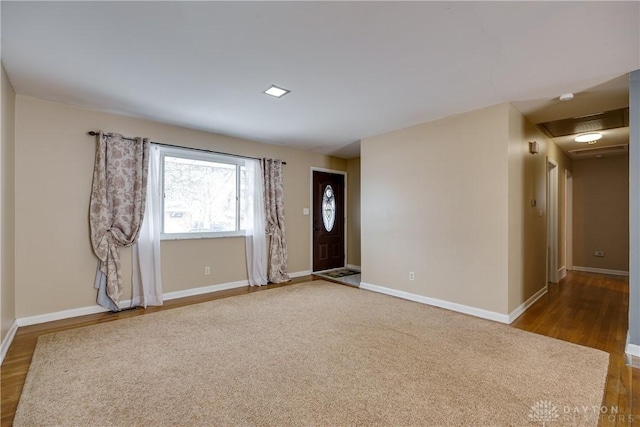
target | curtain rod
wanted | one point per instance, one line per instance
(96, 133)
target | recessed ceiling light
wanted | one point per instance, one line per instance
(588, 137)
(566, 97)
(276, 91)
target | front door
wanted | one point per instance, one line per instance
(328, 220)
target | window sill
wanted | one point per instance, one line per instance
(200, 236)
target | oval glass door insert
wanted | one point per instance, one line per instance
(328, 208)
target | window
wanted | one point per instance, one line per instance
(203, 194)
(328, 208)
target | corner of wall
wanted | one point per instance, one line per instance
(7, 212)
(527, 200)
(436, 165)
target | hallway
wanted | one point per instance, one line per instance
(592, 310)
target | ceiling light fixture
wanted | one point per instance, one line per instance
(588, 137)
(276, 91)
(566, 97)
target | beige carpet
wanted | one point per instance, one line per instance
(316, 353)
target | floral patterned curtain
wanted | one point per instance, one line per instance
(117, 207)
(274, 207)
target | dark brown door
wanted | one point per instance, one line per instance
(328, 220)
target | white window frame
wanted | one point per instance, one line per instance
(194, 154)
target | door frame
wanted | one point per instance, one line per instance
(311, 212)
(568, 228)
(552, 221)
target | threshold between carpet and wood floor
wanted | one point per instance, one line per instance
(315, 353)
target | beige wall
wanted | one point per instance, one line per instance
(55, 265)
(435, 202)
(527, 223)
(353, 209)
(7, 206)
(601, 212)
(454, 206)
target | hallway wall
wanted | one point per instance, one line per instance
(601, 212)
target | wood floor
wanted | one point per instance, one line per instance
(592, 310)
(587, 309)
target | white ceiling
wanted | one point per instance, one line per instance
(355, 69)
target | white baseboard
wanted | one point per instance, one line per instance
(601, 271)
(8, 339)
(562, 273)
(203, 290)
(528, 303)
(354, 267)
(65, 314)
(83, 311)
(632, 349)
(300, 274)
(473, 311)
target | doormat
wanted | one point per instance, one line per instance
(342, 272)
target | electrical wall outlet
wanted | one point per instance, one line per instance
(598, 253)
(412, 276)
(207, 270)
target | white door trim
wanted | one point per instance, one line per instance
(552, 221)
(568, 228)
(311, 213)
